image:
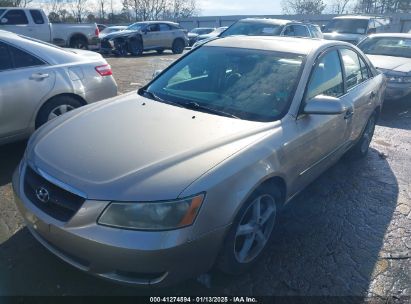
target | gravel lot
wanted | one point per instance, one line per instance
(348, 233)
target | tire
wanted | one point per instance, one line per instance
(120, 48)
(234, 257)
(360, 149)
(135, 47)
(56, 107)
(161, 51)
(79, 42)
(178, 46)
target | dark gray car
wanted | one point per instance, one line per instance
(194, 168)
(146, 36)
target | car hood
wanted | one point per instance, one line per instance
(123, 33)
(343, 36)
(397, 64)
(132, 148)
(192, 35)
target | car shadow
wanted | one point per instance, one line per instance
(10, 156)
(396, 114)
(327, 243)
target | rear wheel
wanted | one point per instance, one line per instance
(55, 107)
(79, 42)
(251, 231)
(178, 46)
(360, 149)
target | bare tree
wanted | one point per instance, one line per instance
(303, 6)
(339, 6)
(14, 3)
(78, 9)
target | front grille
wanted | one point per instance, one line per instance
(59, 203)
(105, 44)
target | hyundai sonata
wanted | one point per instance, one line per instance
(191, 171)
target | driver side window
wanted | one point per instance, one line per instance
(326, 78)
(153, 28)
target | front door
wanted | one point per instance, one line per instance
(319, 140)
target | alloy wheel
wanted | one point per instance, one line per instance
(60, 110)
(254, 229)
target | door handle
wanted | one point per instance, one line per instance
(39, 76)
(349, 114)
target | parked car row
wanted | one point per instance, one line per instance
(193, 169)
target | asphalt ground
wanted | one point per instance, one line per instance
(347, 234)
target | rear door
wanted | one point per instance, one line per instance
(361, 90)
(166, 35)
(24, 81)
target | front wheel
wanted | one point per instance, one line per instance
(360, 149)
(135, 47)
(251, 231)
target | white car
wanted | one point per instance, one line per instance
(40, 81)
(34, 23)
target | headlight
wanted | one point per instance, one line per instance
(398, 79)
(162, 215)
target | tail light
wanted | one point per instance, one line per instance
(104, 70)
(97, 31)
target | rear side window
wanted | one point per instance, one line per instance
(297, 31)
(37, 16)
(5, 59)
(353, 75)
(14, 17)
(164, 27)
(22, 59)
(326, 78)
(316, 33)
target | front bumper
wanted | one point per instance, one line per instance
(126, 256)
(396, 91)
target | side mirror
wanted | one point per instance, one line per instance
(324, 105)
(156, 73)
(322, 27)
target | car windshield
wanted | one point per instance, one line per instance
(388, 46)
(252, 29)
(347, 26)
(248, 84)
(136, 26)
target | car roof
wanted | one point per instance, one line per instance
(302, 46)
(153, 22)
(360, 17)
(7, 34)
(393, 35)
(273, 21)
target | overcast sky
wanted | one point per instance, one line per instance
(239, 7)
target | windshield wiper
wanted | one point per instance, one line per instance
(153, 96)
(195, 106)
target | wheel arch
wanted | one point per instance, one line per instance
(75, 96)
(77, 35)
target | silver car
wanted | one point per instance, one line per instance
(39, 81)
(194, 168)
(391, 53)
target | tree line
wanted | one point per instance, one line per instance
(110, 11)
(346, 6)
